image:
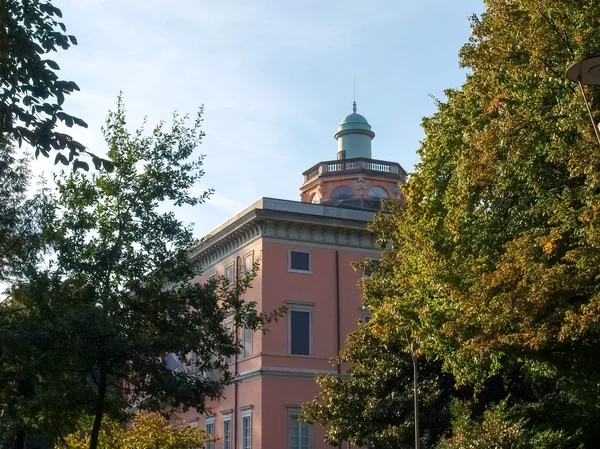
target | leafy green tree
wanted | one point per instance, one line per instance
(119, 295)
(372, 405)
(21, 215)
(494, 260)
(31, 93)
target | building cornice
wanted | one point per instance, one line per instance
(287, 220)
(284, 372)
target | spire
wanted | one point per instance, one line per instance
(354, 107)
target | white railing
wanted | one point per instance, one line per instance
(349, 165)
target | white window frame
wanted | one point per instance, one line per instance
(232, 266)
(246, 256)
(300, 250)
(213, 276)
(227, 418)
(245, 414)
(300, 307)
(295, 411)
(210, 421)
(244, 354)
(229, 321)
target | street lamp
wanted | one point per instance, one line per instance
(413, 348)
(586, 72)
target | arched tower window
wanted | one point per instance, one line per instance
(342, 192)
(314, 198)
(378, 192)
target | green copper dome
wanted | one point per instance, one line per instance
(354, 121)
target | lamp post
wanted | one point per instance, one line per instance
(586, 72)
(414, 346)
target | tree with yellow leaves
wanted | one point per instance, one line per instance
(147, 431)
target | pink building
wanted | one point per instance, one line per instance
(306, 250)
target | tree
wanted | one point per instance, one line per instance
(21, 215)
(494, 260)
(372, 405)
(147, 431)
(120, 294)
(31, 93)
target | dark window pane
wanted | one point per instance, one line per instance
(300, 332)
(299, 261)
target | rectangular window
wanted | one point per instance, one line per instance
(248, 262)
(299, 331)
(300, 261)
(210, 432)
(229, 326)
(212, 277)
(248, 333)
(368, 271)
(229, 273)
(227, 433)
(247, 431)
(300, 433)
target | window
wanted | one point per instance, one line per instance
(212, 277)
(229, 326)
(248, 263)
(366, 315)
(246, 430)
(315, 198)
(227, 432)
(229, 273)
(300, 261)
(247, 339)
(299, 332)
(299, 433)
(341, 192)
(210, 432)
(368, 270)
(378, 192)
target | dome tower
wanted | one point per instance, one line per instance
(354, 136)
(354, 180)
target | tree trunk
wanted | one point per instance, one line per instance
(21, 442)
(99, 410)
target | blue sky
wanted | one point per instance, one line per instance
(276, 78)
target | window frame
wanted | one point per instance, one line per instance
(227, 267)
(383, 189)
(246, 414)
(296, 411)
(299, 307)
(251, 333)
(295, 270)
(226, 322)
(244, 267)
(210, 421)
(227, 441)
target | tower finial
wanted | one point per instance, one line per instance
(354, 103)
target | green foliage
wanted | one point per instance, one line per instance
(146, 431)
(31, 93)
(21, 216)
(119, 294)
(494, 260)
(496, 430)
(372, 406)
